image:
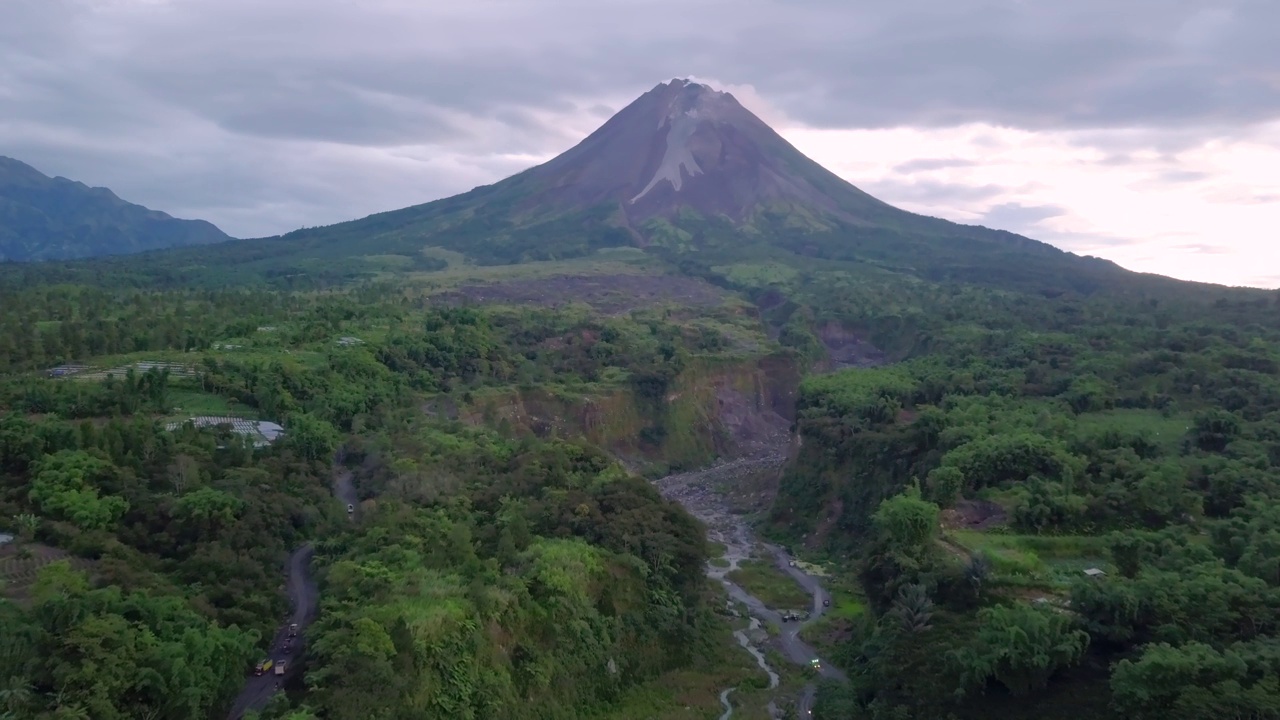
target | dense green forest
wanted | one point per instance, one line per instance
(974, 485)
(506, 564)
(491, 571)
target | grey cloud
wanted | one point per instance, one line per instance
(1025, 220)
(931, 192)
(1016, 215)
(1264, 281)
(337, 114)
(1163, 179)
(927, 164)
(1079, 242)
(1242, 196)
(1183, 176)
(200, 105)
(1203, 249)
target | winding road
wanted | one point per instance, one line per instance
(305, 597)
(698, 493)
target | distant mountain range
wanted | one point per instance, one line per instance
(44, 218)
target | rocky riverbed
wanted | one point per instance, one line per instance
(715, 496)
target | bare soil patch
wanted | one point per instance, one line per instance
(613, 294)
(847, 348)
(974, 515)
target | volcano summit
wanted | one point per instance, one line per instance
(685, 145)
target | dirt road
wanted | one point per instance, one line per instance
(345, 490)
(305, 597)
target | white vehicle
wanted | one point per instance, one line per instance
(350, 508)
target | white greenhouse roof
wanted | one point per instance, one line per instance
(263, 432)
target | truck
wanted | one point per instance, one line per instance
(280, 668)
(262, 667)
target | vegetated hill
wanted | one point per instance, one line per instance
(685, 172)
(44, 218)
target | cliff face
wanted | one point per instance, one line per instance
(713, 409)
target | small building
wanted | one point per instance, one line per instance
(348, 341)
(67, 369)
(262, 432)
(1094, 573)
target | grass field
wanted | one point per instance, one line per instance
(772, 586)
(758, 274)
(1048, 561)
(836, 625)
(604, 262)
(1166, 432)
(186, 403)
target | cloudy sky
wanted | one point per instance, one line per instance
(1144, 131)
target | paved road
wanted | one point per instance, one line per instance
(305, 597)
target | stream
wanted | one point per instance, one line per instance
(699, 493)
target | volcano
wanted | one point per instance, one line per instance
(686, 145)
(686, 173)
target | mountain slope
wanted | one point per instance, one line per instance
(44, 218)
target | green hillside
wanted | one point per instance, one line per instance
(43, 218)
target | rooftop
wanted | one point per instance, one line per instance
(263, 432)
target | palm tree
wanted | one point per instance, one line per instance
(14, 696)
(977, 572)
(27, 525)
(913, 608)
